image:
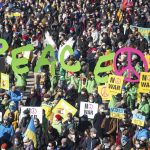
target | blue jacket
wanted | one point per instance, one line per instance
(7, 132)
(15, 96)
(143, 133)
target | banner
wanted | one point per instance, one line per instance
(143, 31)
(63, 108)
(4, 81)
(147, 57)
(102, 91)
(36, 112)
(89, 109)
(138, 119)
(144, 85)
(117, 113)
(114, 85)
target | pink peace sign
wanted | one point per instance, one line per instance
(129, 68)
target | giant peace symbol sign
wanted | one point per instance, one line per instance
(129, 68)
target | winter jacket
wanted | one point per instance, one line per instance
(92, 143)
(34, 100)
(143, 133)
(57, 126)
(49, 137)
(97, 121)
(29, 147)
(38, 132)
(144, 109)
(90, 85)
(15, 96)
(7, 132)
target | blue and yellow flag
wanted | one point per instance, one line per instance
(30, 132)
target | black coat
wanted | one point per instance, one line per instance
(49, 137)
(38, 131)
(97, 121)
(34, 100)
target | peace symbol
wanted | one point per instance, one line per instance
(104, 92)
(129, 68)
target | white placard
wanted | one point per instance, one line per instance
(89, 109)
(36, 112)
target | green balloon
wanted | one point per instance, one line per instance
(4, 46)
(44, 61)
(73, 68)
(98, 69)
(16, 62)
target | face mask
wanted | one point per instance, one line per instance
(143, 99)
(101, 110)
(91, 100)
(107, 116)
(48, 148)
(32, 93)
(16, 142)
(106, 145)
(137, 145)
(139, 128)
(82, 93)
(25, 115)
(121, 129)
(94, 94)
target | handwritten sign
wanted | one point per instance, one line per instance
(89, 109)
(138, 119)
(117, 113)
(144, 85)
(147, 57)
(115, 83)
(36, 112)
(103, 92)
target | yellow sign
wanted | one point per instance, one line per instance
(4, 81)
(138, 119)
(114, 85)
(63, 108)
(147, 57)
(48, 111)
(17, 14)
(117, 113)
(102, 91)
(144, 85)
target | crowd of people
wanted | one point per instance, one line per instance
(97, 27)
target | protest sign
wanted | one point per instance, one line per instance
(138, 119)
(89, 109)
(36, 112)
(4, 81)
(144, 85)
(48, 111)
(147, 57)
(117, 113)
(114, 85)
(63, 108)
(102, 91)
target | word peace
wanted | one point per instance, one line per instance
(18, 64)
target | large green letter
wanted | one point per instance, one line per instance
(98, 69)
(74, 68)
(4, 46)
(44, 61)
(16, 62)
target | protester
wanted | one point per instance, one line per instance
(42, 98)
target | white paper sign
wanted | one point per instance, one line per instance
(36, 112)
(89, 109)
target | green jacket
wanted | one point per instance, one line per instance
(90, 85)
(62, 73)
(58, 127)
(144, 109)
(20, 80)
(112, 103)
(73, 81)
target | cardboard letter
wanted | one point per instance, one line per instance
(4, 46)
(74, 68)
(98, 69)
(21, 61)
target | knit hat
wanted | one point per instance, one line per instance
(4, 146)
(72, 29)
(58, 117)
(26, 111)
(93, 130)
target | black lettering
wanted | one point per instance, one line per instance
(86, 106)
(112, 80)
(145, 84)
(144, 77)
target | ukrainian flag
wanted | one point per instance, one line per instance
(30, 132)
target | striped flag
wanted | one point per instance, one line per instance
(30, 132)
